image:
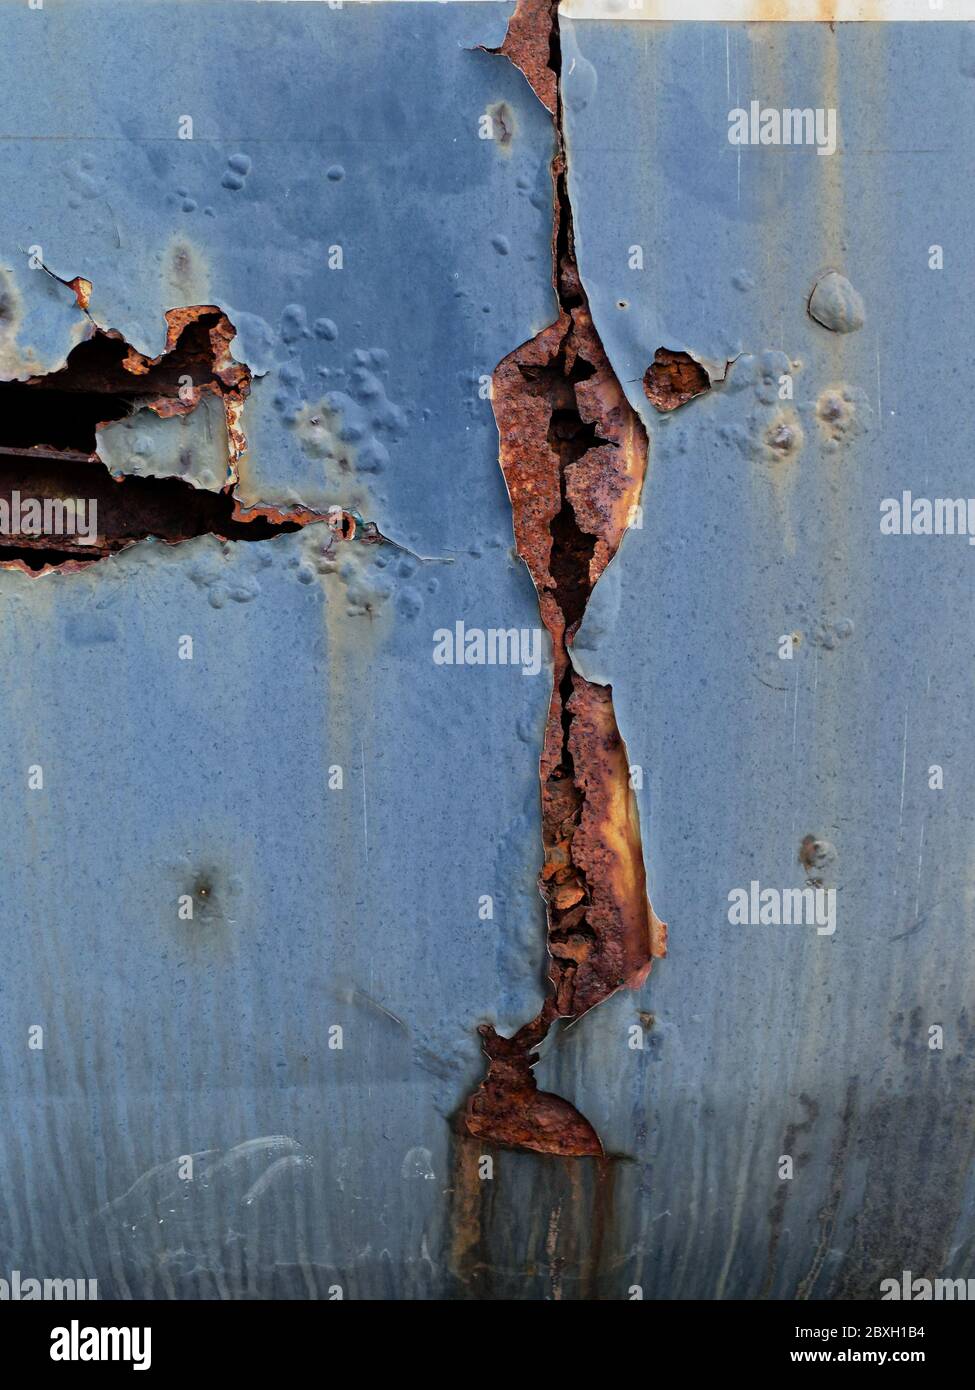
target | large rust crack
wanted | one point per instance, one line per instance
(573, 453)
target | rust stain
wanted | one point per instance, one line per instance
(673, 379)
(810, 852)
(467, 1200)
(573, 453)
(565, 1241)
(776, 1214)
(503, 118)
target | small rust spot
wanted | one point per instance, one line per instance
(342, 524)
(82, 290)
(504, 124)
(673, 379)
(781, 439)
(810, 852)
(815, 854)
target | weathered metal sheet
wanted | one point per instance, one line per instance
(359, 826)
(762, 519)
(316, 906)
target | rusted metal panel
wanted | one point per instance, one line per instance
(316, 905)
(277, 332)
(761, 522)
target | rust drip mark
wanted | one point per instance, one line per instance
(573, 453)
(673, 379)
(572, 1210)
(776, 1212)
(48, 433)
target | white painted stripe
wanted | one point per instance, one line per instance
(713, 11)
(768, 11)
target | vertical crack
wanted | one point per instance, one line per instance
(573, 453)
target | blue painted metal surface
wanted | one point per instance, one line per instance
(776, 1040)
(356, 907)
(320, 1168)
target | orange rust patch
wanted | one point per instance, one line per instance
(605, 485)
(606, 848)
(508, 1108)
(529, 464)
(82, 290)
(673, 379)
(561, 372)
(134, 362)
(527, 45)
(223, 377)
(233, 375)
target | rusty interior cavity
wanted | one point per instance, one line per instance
(573, 453)
(48, 452)
(673, 379)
